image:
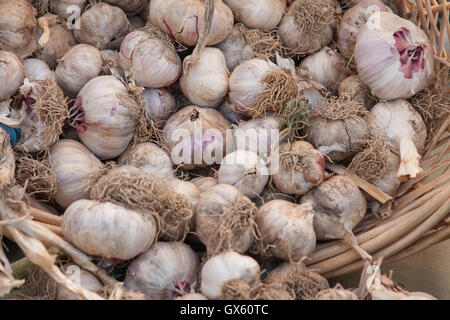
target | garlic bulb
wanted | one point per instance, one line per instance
(197, 137)
(159, 103)
(227, 110)
(353, 88)
(225, 267)
(246, 171)
(257, 135)
(287, 229)
(338, 128)
(192, 296)
(206, 82)
(336, 294)
(129, 6)
(301, 168)
(352, 20)
(81, 277)
(55, 39)
(11, 74)
(148, 157)
(103, 229)
(308, 25)
(150, 57)
(165, 271)
(17, 27)
(102, 26)
(258, 14)
(76, 168)
(183, 20)
(36, 69)
(204, 183)
(106, 116)
(65, 9)
(79, 65)
(338, 206)
(219, 209)
(394, 57)
(404, 131)
(326, 67)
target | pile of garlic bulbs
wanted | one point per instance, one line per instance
(195, 135)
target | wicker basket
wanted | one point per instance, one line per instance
(420, 209)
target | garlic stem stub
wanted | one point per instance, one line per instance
(166, 271)
(394, 57)
(403, 130)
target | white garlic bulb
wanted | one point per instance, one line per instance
(257, 135)
(11, 74)
(338, 206)
(287, 228)
(129, 6)
(79, 65)
(75, 168)
(326, 67)
(308, 25)
(258, 14)
(403, 130)
(224, 267)
(107, 230)
(159, 103)
(65, 9)
(102, 26)
(206, 82)
(204, 183)
(183, 20)
(150, 57)
(107, 116)
(301, 168)
(353, 88)
(352, 20)
(148, 157)
(246, 171)
(81, 277)
(394, 56)
(36, 69)
(197, 137)
(165, 271)
(217, 204)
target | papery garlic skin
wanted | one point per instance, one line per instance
(227, 266)
(394, 57)
(206, 82)
(149, 59)
(258, 14)
(183, 20)
(246, 83)
(305, 169)
(11, 74)
(102, 26)
(287, 228)
(75, 168)
(64, 9)
(37, 70)
(148, 157)
(111, 64)
(326, 67)
(103, 229)
(403, 130)
(197, 137)
(338, 206)
(81, 277)
(159, 103)
(109, 116)
(204, 183)
(79, 65)
(165, 271)
(129, 6)
(246, 171)
(353, 88)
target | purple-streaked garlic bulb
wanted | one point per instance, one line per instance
(287, 229)
(103, 229)
(403, 130)
(159, 103)
(37, 70)
(394, 57)
(338, 206)
(301, 167)
(164, 272)
(11, 74)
